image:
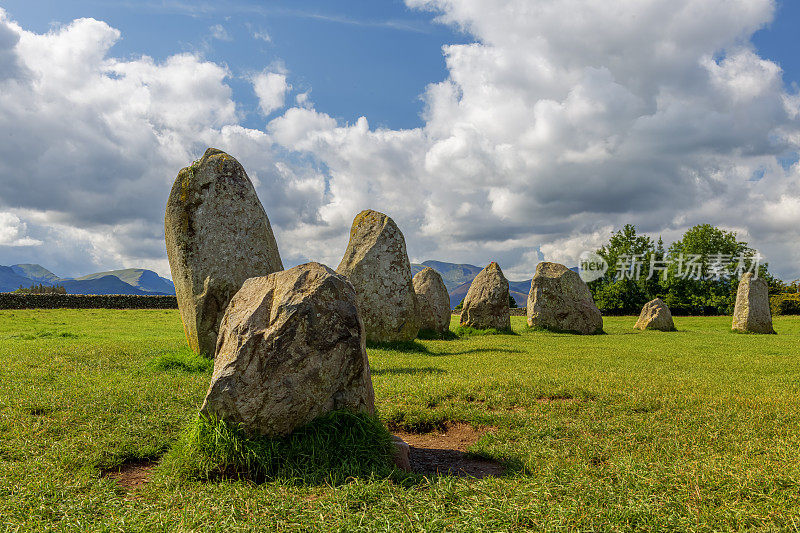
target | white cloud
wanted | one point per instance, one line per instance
(262, 35)
(13, 231)
(219, 33)
(271, 89)
(564, 119)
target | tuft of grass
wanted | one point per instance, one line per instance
(184, 360)
(466, 331)
(331, 449)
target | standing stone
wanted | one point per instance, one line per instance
(486, 303)
(559, 300)
(291, 348)
(377, 265)
(217, 235)
(655, 315)
(434, 301)
(751, 313)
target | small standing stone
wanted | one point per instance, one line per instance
(655, 315)
(560, 300)
(217, 236)
(752, 313)
(377, 265)
(433, 299)
(486, 303)
(291, 349)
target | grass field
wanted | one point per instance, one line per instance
(694, 430)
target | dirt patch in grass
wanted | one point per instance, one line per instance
(444, 452)
(132, 475)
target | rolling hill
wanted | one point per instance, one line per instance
(126, 281)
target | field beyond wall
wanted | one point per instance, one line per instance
(694, 430)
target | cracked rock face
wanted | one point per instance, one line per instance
(752, 313)
(560, 300)
(377, 265)
(217, 236)
(655, 315)
(291, 349)
(486, 302)
(434, 301)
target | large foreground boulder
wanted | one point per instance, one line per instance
(217, 236)
(486, 303)
(433, 299)
(377, 265)
(752, 313)
(291, 348)
(559, 300)
(655, 315)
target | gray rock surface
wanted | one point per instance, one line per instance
(402, 454)
(433, 299)
(217, 235)
(560, 300)
(486, 302)
(291, 348)
(655, 315)
(377, 265)
(752, 313)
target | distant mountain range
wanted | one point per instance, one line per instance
(126, 281)
(457, 278)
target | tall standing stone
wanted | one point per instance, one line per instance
(291, 349)
(560, 300)
(752, 313)
(217, 236)
(434, 301)
(655, 315)
(377, 265)
(486, 303)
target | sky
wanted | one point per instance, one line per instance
(490, 130)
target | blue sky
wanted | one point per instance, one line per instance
(497, 130)
(368, 58)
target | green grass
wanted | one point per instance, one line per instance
(331, 449)
(694, 430)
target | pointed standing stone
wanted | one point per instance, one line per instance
(434, 301)
(560, 300)
(217, 236)
(752, 313)
(655, 315)
(377, 265)
(486, 303)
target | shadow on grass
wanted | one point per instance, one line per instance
(399, 346)
(407, 371)
(430, 335)
(482, 350)
(466, 331)
(544, 329)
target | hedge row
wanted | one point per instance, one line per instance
(785, 304)
(10, 300)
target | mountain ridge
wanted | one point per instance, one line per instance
(135, 281)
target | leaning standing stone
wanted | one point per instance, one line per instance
(291, 348)
(486, 302)
(434, 301)
(377, 265)
(655, 315)
(560, 300)
(217, 235)
(751, 313)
